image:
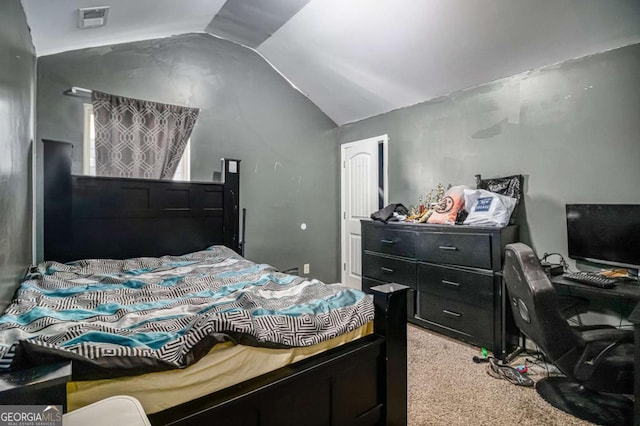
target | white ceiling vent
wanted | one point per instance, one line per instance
(92, 17)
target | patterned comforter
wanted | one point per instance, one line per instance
(123, 317)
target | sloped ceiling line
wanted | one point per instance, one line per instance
(356, 59)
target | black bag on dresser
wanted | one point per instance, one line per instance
(510, 186)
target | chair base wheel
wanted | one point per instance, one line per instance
(595, 407)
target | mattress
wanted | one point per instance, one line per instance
(225, 365)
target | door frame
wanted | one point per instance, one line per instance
(384, 140)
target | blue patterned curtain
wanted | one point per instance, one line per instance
(136, 138)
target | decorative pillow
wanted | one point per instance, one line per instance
(487, 208)
(448, 208)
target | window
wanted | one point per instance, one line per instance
(89, 151)
(183, 172)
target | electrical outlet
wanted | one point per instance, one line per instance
(305, 268)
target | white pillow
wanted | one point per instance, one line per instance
(487, 208)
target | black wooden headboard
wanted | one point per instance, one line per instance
(104, 217)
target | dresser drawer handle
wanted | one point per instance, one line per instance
(387, 241)
(448, 248)
(387, 270)
(450, 283)
(453, 314)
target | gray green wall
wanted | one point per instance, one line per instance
(573, 130)
(248, 111)
(17, 89)
(570, 128)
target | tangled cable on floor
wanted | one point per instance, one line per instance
(508, 373)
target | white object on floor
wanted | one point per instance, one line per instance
(117, 410)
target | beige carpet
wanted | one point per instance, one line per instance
(447, 388)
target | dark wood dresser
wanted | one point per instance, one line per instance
(455, 273)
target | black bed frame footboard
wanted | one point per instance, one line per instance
(360, 383)
(105, 217)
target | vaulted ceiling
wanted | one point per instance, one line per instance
(359, 58)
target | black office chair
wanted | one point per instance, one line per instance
(596, 360)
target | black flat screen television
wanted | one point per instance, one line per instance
(604, 233)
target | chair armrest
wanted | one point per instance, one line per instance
(607, 334)
(582, 328)
(588, 362)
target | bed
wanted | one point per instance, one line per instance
(359, 378)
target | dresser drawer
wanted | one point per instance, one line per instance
(389, 241)
(473, 250)
(465, 286)
(453, 314)
(389, 270)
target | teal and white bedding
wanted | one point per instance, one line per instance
(123, 317)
